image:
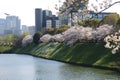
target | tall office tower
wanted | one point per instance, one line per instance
(31, 30)
(46, 15)
(53, 22)
(38, 19)
(13, 25)
(65, 19)
(50, 13)
(2, 26)
(24, 28)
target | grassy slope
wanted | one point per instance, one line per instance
(5, 48)
(86, 53)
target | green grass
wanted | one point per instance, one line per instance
(5, 48)
(85, 53)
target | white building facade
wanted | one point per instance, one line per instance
(57, 23)
(48, 24)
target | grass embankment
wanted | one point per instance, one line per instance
(93, 54)
(5, 48)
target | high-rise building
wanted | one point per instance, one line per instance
(38, 19)
(2, 26)
(46, 14)
(24, 28)
(99, 16)
(57, 23)
(31, 30)
(65, 19)
(13, 25)
(48, 23)
(44, 19)
(54, 19)
(52, 22)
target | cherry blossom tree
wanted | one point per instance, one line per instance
(84, 7)
(46, 38)
(27, 40)
(80, 34)
(58, 38)
(113, 42)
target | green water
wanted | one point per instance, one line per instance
(24, 67)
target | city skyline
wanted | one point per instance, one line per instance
(25, 9)
(10, 25)
(45, 19)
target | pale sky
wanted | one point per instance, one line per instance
(25, 9)
(114, 8)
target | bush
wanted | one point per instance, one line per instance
(80, 23)
(53, 31)
(110, 19)
(94, 23)
(50, 31)
(118, 24)
(18, 41)
(63, 28)
(36, 37)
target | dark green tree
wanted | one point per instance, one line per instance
(110, 19)
(36, 37)
(118, 24)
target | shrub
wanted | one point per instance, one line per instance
(118, 24)
(62, 29)
(53, 31)
(80, 23)
(49, 31)
(18, 40)
(110, 19)
(94, 23)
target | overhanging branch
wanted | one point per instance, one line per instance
(108, 7)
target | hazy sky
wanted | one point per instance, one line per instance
(25, 9)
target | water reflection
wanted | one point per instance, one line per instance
(47, 70)
(24, 67)
(82, 73)
(16, 67)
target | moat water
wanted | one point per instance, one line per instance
(25, 67)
